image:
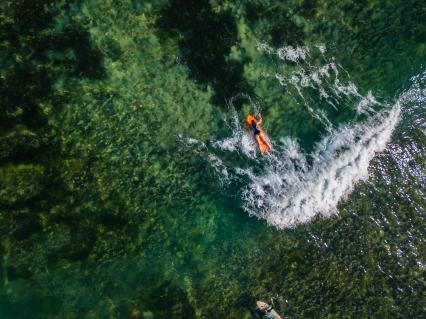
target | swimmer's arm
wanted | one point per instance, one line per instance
(259, 121)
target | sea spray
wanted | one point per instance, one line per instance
(288, 187)
(291, 190)
(286, 194)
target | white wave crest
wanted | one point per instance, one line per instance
(288, 193)
(288, 187)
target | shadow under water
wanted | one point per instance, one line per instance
(205, 41)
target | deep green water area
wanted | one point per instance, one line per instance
(130, 187)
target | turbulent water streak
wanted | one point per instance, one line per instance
(288, 194)
(291, 189)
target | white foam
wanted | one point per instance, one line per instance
(288, 193)
(293, 54)
(366, 103)
(219, 167)
(324, 70)
(328, 83)
(288, 187)
(228, 144)
(261, 46)
(348, 89)
(321, 47)
(240, 141)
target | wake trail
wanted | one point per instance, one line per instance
(288, 187)
(286, 194)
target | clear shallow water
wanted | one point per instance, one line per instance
(132, 190)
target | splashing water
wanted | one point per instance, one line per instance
(291, 187)
(293, 54)
(291, 192)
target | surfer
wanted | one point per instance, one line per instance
(266, 311)
(258, 133)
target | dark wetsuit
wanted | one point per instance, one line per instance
(254, 128)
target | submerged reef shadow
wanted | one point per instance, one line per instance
(205, 42)
(34, 57)
(282, 30)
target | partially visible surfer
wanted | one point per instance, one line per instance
(266, 311)
(258, 133)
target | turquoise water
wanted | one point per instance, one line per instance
(130, 187)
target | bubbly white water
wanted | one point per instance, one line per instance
(290, 192)
(293, 53)
(293, 187)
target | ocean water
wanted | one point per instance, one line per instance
(293, 186)
(130, 186)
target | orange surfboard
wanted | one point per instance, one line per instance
(263, 147)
